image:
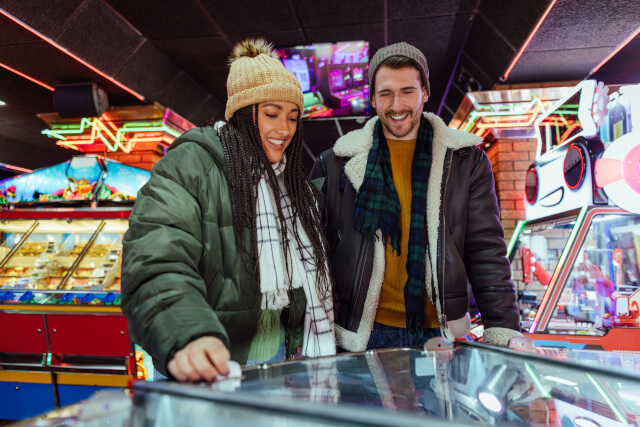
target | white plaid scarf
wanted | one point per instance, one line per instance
(319, 336)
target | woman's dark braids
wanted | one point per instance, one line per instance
(246, 163)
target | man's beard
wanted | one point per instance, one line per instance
(405, 129)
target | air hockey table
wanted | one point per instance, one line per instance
(469, 384)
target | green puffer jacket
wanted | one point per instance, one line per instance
(180, 276)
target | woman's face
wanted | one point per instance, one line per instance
(277, 123)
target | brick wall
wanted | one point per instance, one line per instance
(510, 160)
(138, 159)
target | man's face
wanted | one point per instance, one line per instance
(399, 97)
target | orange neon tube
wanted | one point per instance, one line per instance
(511, 125)
(62, 49)
(526, 43)
(38, 82)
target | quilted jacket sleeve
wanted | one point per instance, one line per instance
(487, 266)
(163, 293)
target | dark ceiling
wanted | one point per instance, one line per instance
(174, 52)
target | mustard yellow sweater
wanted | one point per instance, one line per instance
(391, 308)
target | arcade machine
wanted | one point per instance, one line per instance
(344, 89)
(464, 385)
(333, 77)
(575, 258)
(63, 335)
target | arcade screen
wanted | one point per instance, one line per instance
(333, 77)
(561, 125)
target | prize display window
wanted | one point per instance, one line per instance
(599, 292)
(61, 260)
(99, 269)
(538, 249)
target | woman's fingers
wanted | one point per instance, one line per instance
(219, 356)
(202, 359)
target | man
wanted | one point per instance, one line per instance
(412, 218)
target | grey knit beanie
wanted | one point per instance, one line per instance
(399, 49)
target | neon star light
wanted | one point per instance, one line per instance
(115, 138)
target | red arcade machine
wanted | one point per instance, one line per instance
(63, 335)
(575, 259)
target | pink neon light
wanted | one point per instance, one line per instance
(526, 43)
(618, 49)
(62, 49)
(38, 82)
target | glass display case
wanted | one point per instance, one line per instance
(578, 280)
(63, 334)
(61, 261)
(471, 384)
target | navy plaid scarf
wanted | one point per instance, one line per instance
(377, 207)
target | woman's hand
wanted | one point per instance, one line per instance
(201, 360)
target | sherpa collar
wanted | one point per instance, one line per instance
(356, 145)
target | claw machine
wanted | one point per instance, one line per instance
(63, 335)
(575, 258)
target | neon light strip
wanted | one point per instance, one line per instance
(15, 168)
(607, 399)
(526, 43)
(616, 50)
(561, 262)
(62, 49)
(543, 391)
(502, 125)
(99, 130)
(38, 82)
(475, 115)
(2, 103)
(514, 237)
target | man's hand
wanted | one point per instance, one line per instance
(201, 360)
(522, 343)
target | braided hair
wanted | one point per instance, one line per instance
(246, 163)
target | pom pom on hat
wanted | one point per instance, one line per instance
(257, 75)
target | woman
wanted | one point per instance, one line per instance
(225, 255)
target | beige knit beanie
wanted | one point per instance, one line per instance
(399, 49)
(257, 75)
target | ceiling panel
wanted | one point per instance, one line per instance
(195, 54)
(400, 10)
(513, 20)
(166, 19)
(542, 66)
(575, 24)
(488, 50)
(333, 13)
(101, 27)
(246, 16)
(184, 95)
(433, 36)
(624, 68)
(48, 17)
(135, 73)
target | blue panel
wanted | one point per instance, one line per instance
(70, 394)
(126, 179)
(24, 400)
(562, 344)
